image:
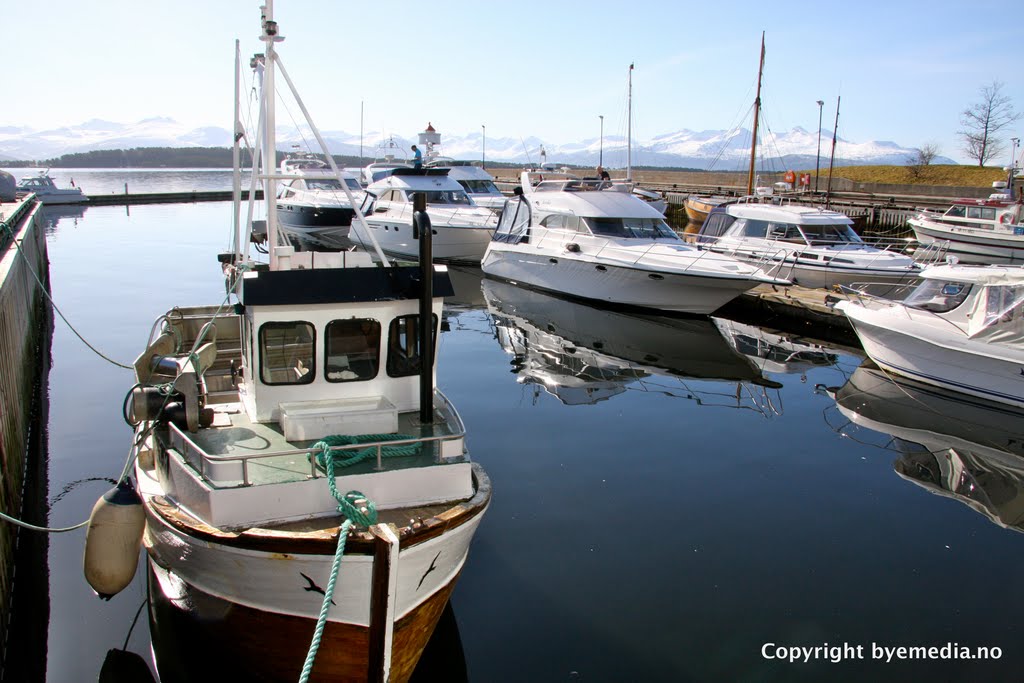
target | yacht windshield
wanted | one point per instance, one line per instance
(331, 184)
(643, 228)
(829, 233)
(479, 186)
(447, 197)
(938, 295)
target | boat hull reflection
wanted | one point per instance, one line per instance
(951, 444)
(582, 354)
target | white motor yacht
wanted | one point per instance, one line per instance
(578, 238)
(478, 183)
(47, 192)
(461, 229)
(811, 246)
(961, 328)
(978, 230)
(312, 205)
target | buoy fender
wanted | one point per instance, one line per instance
(113, 540)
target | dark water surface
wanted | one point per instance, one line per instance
(664, 507)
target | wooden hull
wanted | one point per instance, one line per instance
(698, 208)
(198, 636)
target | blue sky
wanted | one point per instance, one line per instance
(905, 70)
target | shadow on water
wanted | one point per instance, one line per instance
(25, 649)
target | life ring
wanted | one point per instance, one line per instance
(789, 177)
(1005, 218)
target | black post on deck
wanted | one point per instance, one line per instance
(421, 230)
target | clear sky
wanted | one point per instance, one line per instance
(905, 70)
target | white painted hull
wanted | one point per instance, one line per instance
(661, 290)
(461, 244)
(970, 245)
(62, 198)
(274, 582)
(805, 273)
(963, 365)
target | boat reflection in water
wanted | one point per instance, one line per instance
(776, 352)
(582, 355)
(951, 444)
(53, 214)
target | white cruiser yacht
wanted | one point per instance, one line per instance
(47, 192)
(577, 238)
(461, 229)
(978, 230)
(811, 246)
(952, 445)
(478, 183)
(962, 328)
(298, 469)
(311, 203)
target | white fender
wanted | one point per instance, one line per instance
(113, 540)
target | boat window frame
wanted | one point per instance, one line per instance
(932, 295)
(374, 350)
(395, 347)
(307, 377)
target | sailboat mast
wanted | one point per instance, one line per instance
(757, 115)
(270, 138)
(831, 161)
(629, 124)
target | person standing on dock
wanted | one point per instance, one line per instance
(417, 158)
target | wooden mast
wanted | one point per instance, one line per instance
(757, 115)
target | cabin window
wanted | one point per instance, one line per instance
(828, 234)
(988, 213)
(352, 350)
(287, 353)
(938, 296)
(514, 222)
(447, 197)
(716, 224)
(974, 212)
(324, 184)
(480, 186)
(554, 221)
(745, 227)
(404, 346)
(1003, 304)
(956, 211)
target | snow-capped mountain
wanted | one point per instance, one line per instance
(709, 149)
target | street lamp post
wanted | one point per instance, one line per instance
(483, 146)
(600, 158)
(1013, 153)
(817, 159)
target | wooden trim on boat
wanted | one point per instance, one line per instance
(226, 640)
(324, 541)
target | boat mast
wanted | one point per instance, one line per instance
(629, 124)
(270, 138)
(835, 131)
(236, 164)
(757, 115)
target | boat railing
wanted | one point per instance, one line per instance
(450, 446)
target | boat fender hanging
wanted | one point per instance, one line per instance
(113, 539)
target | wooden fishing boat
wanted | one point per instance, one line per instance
(309, 499)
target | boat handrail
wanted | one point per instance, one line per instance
(187, 446)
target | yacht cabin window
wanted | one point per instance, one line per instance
(480, 186)
(938, 296)
(957, 211)
(331, 184)
(514, 222)
(644, 228)
(404, 346)
(716, 224)
(352, 350)
(560, 221)
(287, 354)
(447, 197)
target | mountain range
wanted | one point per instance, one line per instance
(710, 149)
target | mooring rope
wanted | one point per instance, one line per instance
(358, 509)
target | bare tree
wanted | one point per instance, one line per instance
(922, 156)
(982, 122)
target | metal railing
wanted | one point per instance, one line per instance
(195, 455)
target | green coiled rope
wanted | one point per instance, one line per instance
(352, 457)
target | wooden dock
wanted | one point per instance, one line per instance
(119, 199)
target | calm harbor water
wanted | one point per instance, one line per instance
(665, 506)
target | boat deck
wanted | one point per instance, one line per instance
(237, 452)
